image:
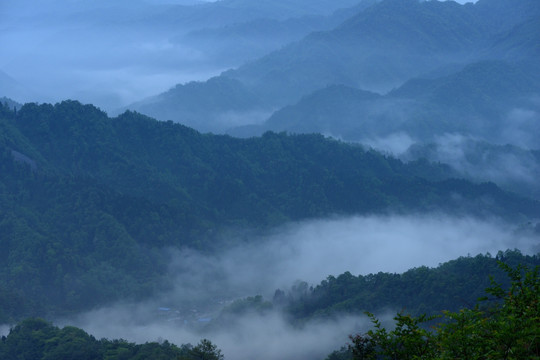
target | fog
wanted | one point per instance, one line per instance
(512, 166)
(86, 55)
(308, 251)
(395, 144)
(4, 330)
(312, 250)
(114, 53)
(250, 337)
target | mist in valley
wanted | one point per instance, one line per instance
(288, 256)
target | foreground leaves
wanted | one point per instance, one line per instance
(504, 326)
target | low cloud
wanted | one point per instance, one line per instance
(520, 128)
(262, 337)
(312, 250)
(511, 167)
(308, 251)
(4, 330)
(103, 53)
(395, 144)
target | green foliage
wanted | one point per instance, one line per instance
(249, 304)
(450, 286)
(205, 350)
(408, 340)
(506, 329)
(87, 203)
(36, 339)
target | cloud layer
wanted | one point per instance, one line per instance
(308, 251)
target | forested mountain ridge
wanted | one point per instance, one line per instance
(88, 202)
(40, 340)
(363, 51)
(125, 153)
(133, 227)
(476, 101)
(451, 286)
(479, 120)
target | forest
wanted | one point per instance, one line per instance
(89, 201)
(193, 179)
(503, 324)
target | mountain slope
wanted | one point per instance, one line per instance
(89, 202)
(476, 101)
(448, 287)
(378, 49)
(511, 167)
(239, 42)
(210, 105)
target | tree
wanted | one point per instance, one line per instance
(205, 350)
(508, 327)
(408, 340)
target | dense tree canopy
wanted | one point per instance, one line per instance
(89, 202)
(37, 339)
(505, 329)
(451, 286)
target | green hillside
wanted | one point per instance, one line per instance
(90, 202)
(450, 286)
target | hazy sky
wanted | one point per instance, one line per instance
(106, 56)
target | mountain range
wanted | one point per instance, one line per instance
(379, 49)
(390, 114)
(90, 202)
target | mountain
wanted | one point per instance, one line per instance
(382, 46)
(215, 14)
(285, 8)
(211, 105)
(500, 16)
(335, 111)
(39, 339)
(447, 287)
(89, 203)
(147, 46)
(10, 87)
(517, 43)
(480, 120)
(232, 42)
(480, 100)
(377, 49)
(511, 167)
(249, 40)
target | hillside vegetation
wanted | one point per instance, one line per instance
(89, 202)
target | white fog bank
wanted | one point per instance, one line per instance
(308, 251)
(4, 330)
(262, 337)
(312, 250)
